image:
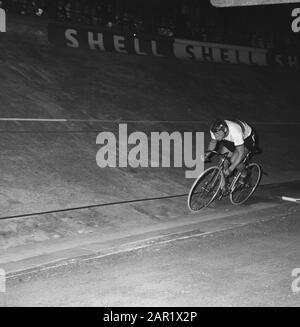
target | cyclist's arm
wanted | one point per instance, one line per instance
(238, 156)
(212, 145)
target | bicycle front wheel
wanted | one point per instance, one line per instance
(242, 192)
(205, 189)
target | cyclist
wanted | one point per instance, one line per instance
(235, 137)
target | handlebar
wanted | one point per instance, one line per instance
(225, 155)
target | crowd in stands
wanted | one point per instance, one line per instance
(189, 19)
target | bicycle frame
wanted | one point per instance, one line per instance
(214, 186)
(221, 167)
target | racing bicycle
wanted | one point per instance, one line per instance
(212, 184)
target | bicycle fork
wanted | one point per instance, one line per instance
(226, 191)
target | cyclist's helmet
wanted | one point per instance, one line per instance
(218, 125)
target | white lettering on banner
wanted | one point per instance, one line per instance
(119, 43)
(154, 49)
(137, 48)
(207, 54)
(290, 61)
(73, 42)
(210, 52)
(293, 61)
(296, 21)
(96, 42)
(225, 55)
(278, 60)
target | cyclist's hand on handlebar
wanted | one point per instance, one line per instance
(207, 155)
(227, 172)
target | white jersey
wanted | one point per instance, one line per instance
(236, 134)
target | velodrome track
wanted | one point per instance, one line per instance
(54, 102)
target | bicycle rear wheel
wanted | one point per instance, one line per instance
(205, 189)
(242, 192)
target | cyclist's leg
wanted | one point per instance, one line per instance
(226, 147)
(249, 144)
(233, 155)
(241, 168)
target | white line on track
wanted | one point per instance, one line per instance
(34, 119)
(63, 120)
(133, 246)
(287, 198)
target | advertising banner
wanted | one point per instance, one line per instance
(281, 58)
(95, 39)
(219, 53)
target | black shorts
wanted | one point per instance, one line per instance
(249, 143)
